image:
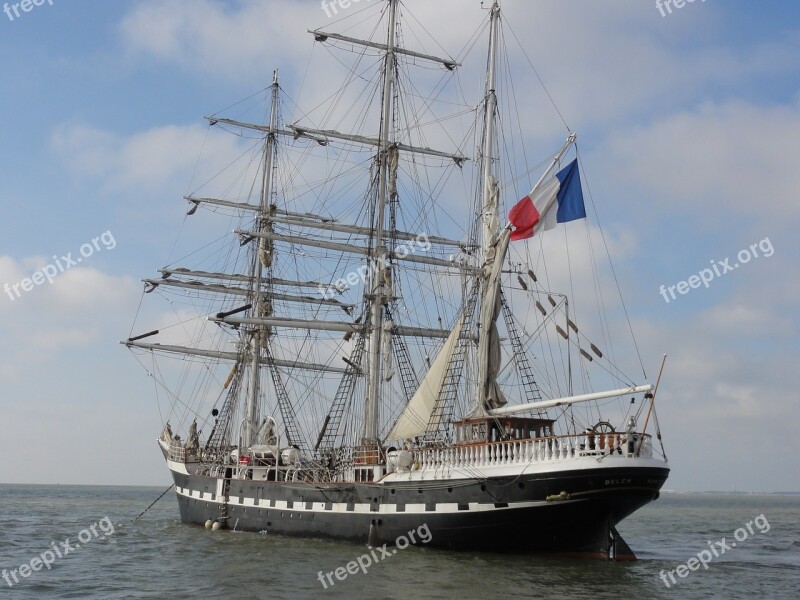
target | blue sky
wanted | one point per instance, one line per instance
(689, 126)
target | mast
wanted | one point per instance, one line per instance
(257, 342)
(493, 248)
(380, 269)
(490, 208)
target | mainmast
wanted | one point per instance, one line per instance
(381, 275)
(262, 259)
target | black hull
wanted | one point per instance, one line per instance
(495, 514)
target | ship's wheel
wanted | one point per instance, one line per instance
(603, 427)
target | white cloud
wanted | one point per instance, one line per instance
(50, 341)
(148, 160)
(208, 37)
(51, 318)
(742, 320)
(725, 160)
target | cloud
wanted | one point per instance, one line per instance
(711, 376)
(52, 318)
(747, 321)
(50, 341)
(148, 160)
(214, 37)
(729, 160)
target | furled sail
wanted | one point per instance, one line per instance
(489, 353)
(415, 418)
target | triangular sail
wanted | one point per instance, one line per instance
(415, 418)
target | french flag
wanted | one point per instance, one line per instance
(560, 200)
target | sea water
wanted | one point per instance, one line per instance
(82, 542)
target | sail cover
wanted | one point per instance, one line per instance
(489, 352)
(414, 420)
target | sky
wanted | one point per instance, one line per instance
(689, 128)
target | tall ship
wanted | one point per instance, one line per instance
(379, 335)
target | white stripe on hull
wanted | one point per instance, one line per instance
(364, 508)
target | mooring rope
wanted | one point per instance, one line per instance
(154, 502)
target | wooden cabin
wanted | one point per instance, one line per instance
(500, 429)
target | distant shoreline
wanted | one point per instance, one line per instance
(161, 486)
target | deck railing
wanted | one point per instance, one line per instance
(176, 453)
(550, 449)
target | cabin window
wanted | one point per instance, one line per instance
(364, 475)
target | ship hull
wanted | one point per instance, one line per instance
(569, 512)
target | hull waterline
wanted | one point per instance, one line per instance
(569, 512)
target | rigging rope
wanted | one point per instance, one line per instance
(608, 253)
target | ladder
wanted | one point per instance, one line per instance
(293, 437)
(344, 396)
(532, 392)
(408, 376)
(219, 438)
(439, 423)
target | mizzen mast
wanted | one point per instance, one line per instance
(493, 247)
(490, 195)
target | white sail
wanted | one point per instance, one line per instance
(414, 420)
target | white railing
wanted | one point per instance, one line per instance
(516, 452)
